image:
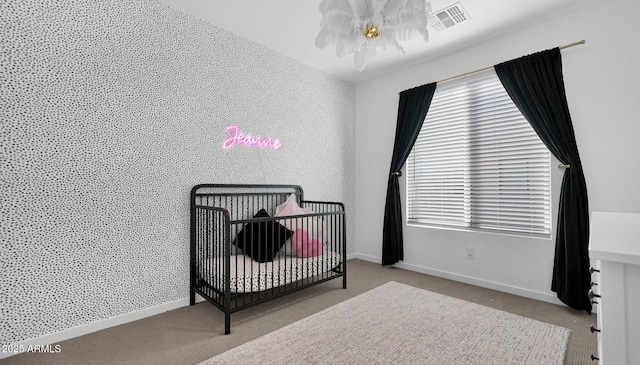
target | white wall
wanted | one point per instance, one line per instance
(601, 79)
(110, 112)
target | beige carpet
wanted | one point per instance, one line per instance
(401, 324)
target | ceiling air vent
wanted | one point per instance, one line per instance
(448, 17)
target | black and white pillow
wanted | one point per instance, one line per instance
(262, 240)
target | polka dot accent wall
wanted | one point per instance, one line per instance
(110, 111)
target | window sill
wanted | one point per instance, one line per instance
(479, 230)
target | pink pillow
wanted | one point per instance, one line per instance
(290, 208)
(314, 225)
(304, 245)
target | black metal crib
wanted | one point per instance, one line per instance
(254, 243)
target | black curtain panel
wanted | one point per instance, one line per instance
(412, 109)
(536, 86)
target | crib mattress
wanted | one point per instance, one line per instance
(248, 275)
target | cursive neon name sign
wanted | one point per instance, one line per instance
(236, 137)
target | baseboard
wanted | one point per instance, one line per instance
(527, 293)
(57, 337)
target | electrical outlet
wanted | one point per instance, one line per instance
(471, 253)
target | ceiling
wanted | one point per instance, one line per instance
(290, 27)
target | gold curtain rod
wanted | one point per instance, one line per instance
(490, 67)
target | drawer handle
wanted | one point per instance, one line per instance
(593, 329)
(594, 302)
(593, 295)
(593, 357)
(594, 283)
(592, 270)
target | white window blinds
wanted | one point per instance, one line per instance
(478, 164)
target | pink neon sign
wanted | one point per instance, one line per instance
(238, 138)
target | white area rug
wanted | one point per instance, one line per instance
(400, 324)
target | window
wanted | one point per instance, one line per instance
(477, 163)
